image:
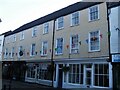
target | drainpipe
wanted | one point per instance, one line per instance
(52, 52)
(109, 34)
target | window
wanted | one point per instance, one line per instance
(12, 52)
(93, 13)
(75, 19)
(14, 37)
(44, 72)
(44, 48)
(76, 73)
(101, 76)
(60, 23)
(31, 71)
(21, 35)
(74, 44)
(20, 51)
(32, 51)
(0, 43)
(94, 41)
(6, 53)
(34, 32)
(46, 28)
(59, 46)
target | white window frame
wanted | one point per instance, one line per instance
(60, 20)
(90, 41)
(21, 35)
(6, 53)
(90, 12)
(74, 73)
(32, 54)
(71, 43)
(74, 24)
(34, 32)
(12, 52)
(62, 46)
(20, 48)
(42, 53)
(46, 28)
(14, 37)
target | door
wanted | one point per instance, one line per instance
(88, 77)
(60, 75)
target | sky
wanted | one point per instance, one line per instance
(15, 13)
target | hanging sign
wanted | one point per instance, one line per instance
(116, 57)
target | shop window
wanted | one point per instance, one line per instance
(101, 75)
(76, 73)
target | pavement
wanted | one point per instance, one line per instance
(20, 85)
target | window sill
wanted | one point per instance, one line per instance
(93, 51)
(73, 53)
(59, 28)
(45, 33)
(93, 20)
(34, 36)
(44, 55)
(58, 54)
(74, 25)
(21, 39)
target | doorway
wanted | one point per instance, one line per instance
(88, 75)
(60, 75)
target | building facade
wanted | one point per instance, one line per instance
(75, 38)
(114, 17)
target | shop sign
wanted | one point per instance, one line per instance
(116, 58)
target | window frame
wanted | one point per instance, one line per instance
(59, 21)
(90, 41)
(34, 31)
(6, 53)
(14, 37)
(57, 46)
(32, 53)
(46, 28)
(43, 44)
(22, 35)
(12, 52)
(75, 24)
(71, 44)
(89, 15)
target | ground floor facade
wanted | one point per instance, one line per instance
(80, 73)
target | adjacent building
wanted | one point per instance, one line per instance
(75, 38)
(114, 16)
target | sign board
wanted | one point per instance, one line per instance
(116, 58)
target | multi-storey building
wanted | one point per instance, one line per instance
(75, 38)
(114, 16)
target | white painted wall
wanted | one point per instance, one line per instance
(114, 17)
(1, 46)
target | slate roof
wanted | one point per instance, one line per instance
(62, 12)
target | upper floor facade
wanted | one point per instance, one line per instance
(81, 32)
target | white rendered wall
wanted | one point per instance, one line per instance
(1, 46)
(113, 28)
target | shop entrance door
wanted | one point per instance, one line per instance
(88, 75)
(60, 75)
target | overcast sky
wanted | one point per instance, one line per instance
(15, 13)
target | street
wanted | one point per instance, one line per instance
(19, 85)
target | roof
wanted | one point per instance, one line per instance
(113, 4)
(62, 12)
(7, 33)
